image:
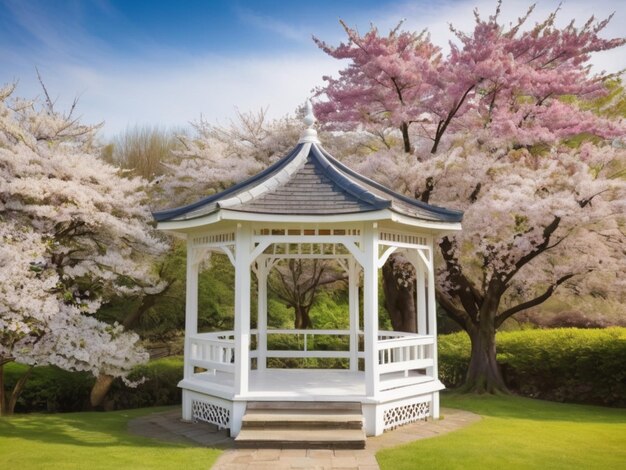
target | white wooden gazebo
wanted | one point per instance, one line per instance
(309, 205)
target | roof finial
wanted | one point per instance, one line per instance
(309, 118)
(309, 134)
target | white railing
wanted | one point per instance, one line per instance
(307, 351)
(404, 359)
(212, 351)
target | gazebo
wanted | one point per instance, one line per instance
(308, 205)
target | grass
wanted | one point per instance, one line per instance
(520, 433)
(514, 433)
(91, 441)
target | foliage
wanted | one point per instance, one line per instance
(91, 440)
(519, 433)
(142, 150)
(297, 283)
(159, 388)
(565, 364)
(50, 389)
(496, 141)
(164, 320)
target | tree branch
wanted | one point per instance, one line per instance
(457, 314)
(443, 124)
(548, 231)
(533, 302)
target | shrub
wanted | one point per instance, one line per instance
(50, 388)
(160, 386)
(565, 364)
(454, 355)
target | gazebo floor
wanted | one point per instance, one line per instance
(294, 384)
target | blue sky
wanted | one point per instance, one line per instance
(167, 63)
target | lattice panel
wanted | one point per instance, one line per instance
(210, 413)
(394, 417)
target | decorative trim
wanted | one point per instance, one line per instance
(210, 413)
(388, 236)
(406, 413)
(227, 237)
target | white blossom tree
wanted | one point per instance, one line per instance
(74, 234)
(215, 157)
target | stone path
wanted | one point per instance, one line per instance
(167, 426)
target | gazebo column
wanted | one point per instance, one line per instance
(420, 293)
(243, 244)
(353, 296)
(243, 260)
(373, 414)
(370, 307)
(191, 320)
(262, 274)
(432, 324)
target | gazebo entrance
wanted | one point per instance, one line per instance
(310, 206)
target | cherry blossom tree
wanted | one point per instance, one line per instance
(508, 79)
(74, 234)
(214, 157)
(509, 136)
(386, 85)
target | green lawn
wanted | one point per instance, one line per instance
(514, 433)
(520, 433)
(90, 441)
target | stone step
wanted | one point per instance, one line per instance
(301, 438)
(298, 418)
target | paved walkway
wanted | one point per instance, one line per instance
(167, 426)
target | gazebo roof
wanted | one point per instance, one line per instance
(309, 181)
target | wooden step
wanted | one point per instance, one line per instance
(301, 438)
(297, 418)
(316, 425)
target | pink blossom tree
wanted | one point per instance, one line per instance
(74, 234)
(386, 85)
(501, 140)
(507, 79)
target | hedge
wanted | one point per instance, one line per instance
(565, 364)
(52, 389)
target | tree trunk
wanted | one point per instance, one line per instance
(399, 297)
(100, 389)
(405, 137)
(303, 321)
(483, 373)
(2, 399)
(7, 404)
(103, 382)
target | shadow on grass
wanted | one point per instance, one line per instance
(510, 406)
(91, 429)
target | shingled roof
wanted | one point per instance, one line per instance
(309, 181)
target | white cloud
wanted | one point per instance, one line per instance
(272, 24)
(173, 95)
(170, 88)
